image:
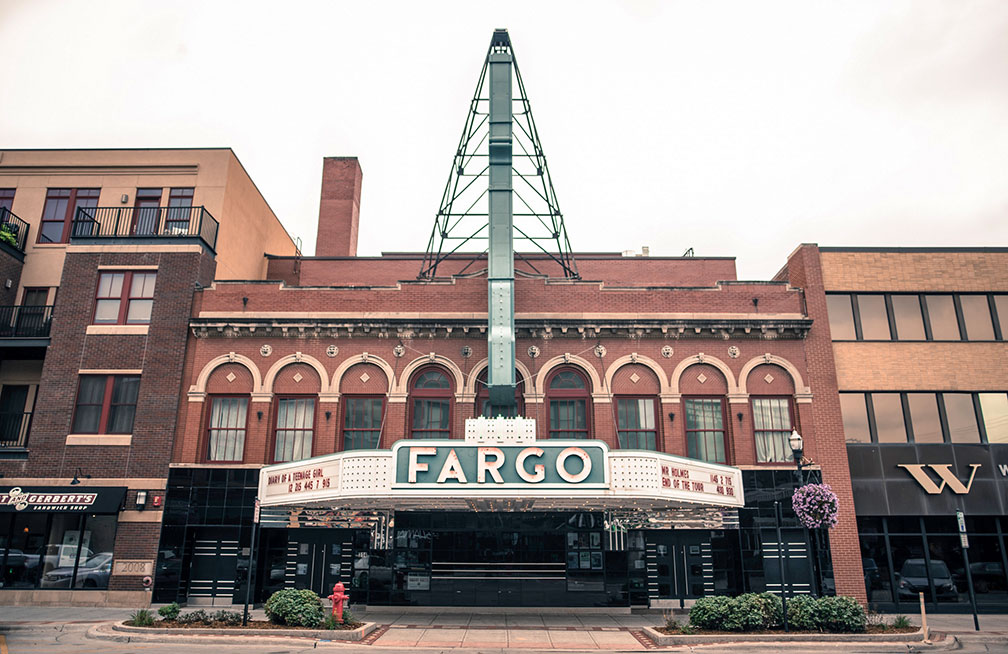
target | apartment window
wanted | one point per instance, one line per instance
(977, 317)
(60, 209)
(772, 427)
(888, 411)
(226, 429)
(124, 298)
(431, 395)
(942, 317)
(6, 200)
(908, 318)
(179, 204)
(855, 418)
(567, 394)
(636, 425)
(705, 432)
(362, 422)
(295, 428)
(106, 404)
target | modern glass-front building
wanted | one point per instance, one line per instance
(919, 336)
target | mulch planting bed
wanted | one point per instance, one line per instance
(872, 629)
(252, 624)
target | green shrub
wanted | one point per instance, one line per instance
(7, 235)
(755, 612)
(686, 629)
(296, 608)
(199, 616)
(169, 611)
(801, 613)
(901, 622)
(227, 617)
(712, 612)
(840, 614)
(141, 618)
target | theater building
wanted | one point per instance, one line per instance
(100, 254)
(658, 395)
(919, 344)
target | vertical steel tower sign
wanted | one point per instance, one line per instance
(499, 192)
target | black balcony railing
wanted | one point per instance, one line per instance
(13, 230)
(145, 222)
(14, 429)
(25, 321)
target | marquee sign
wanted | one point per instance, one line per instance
(451, 464)
(467, 475)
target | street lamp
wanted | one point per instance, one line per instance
(797, 448)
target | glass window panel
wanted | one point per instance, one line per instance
(362, 423)
(568, 419)
(705, 429)
(977, 317)
(295, 428)
(889, 417)
(772, 420)
(942, 316)
(90, 395)
(946, 556)
(1001, 306)
(139, 311)
(61, 551)
(110, 284)
(910, 568)
(636, 423)
(106, 311)
(961, 417)
(143, 285)
(924, 417)
(94, 571)
(907, 313)
(841, 317)
(994, 407)
(567, 379)
(875, 565)
(855, 417)
(432, 379)
(874, 320)
(27, 547)
(227, 428)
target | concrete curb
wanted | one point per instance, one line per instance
(119, 632)
(665, 640)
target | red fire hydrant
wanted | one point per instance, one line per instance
(337, 598)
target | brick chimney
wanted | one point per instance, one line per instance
(339, 208)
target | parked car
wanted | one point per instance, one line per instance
(872, 574)
(54, 554)
(987, 576)
(913, 579)
(93, 573)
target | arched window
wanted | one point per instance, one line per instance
(430, 404)
(568, 397)
(483, 395)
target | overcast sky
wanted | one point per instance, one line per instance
(737, 129)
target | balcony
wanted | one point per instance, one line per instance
(145, 223)
(14, 430)
(25, 322)
(13, 231)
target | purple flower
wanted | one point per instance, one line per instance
(815, 505)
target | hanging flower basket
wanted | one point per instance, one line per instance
(815, 505)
